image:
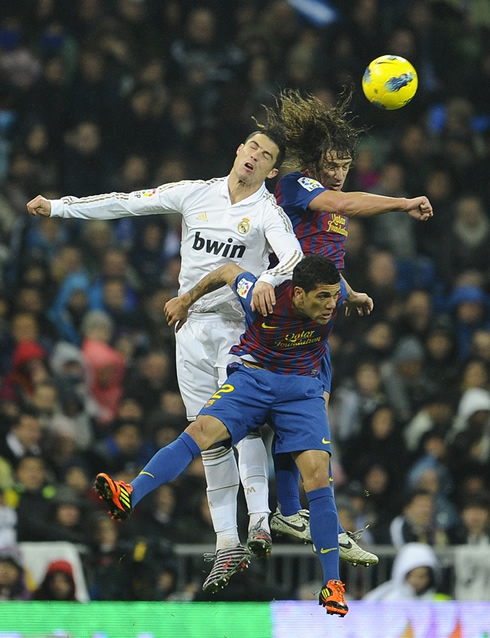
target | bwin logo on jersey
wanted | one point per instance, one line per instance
(213, 247)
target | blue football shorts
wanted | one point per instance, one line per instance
(292, 404)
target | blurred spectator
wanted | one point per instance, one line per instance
(32, 495)
(394, 232)
(434, 477)
(69, 516)
(150, 378)
(125, 449)
(469, 305)
(96, 238)
(480, 345)
(102, 563)
(468, 237)
(474, 528)
(58, 583)
(417, 314)
(115, 264)
(161, 519)
(469, 438)
(417, 522)
(379, 441)
(106, 365)
(416, 575)
(356, 501)
(23, 438)
(382, 501)
(441, 362)
(381, 281)
(147, 570)
(8, 523)
(70, 375)
(439, 188)
(204, 58)
(29, 367)
(69, 307)
(12, 575)
(160, 336)
(85, 166)
(413, 152)
(404, 378)
(435, 417)
(147, 254)
(474, 373)
(354, 401)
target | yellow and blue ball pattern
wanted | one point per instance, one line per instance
(390, 82)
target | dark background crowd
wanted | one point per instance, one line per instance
(103, 95)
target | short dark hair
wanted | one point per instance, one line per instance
(276, 135)
(313, 270)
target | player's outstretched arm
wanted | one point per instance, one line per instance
(359, 204)
(176, 309)
(39, 206)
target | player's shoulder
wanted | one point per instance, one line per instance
(291, 178)
(193, 184)
(296, 181)
(271, 206)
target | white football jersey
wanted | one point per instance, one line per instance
(214, 231)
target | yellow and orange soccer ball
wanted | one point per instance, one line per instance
(390, 82)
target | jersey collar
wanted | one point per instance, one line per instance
(224, 190)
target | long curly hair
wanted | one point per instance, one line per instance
(312, 129)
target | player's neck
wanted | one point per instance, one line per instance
(240, 190)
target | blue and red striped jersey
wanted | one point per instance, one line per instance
(282, 342)
(318, 233)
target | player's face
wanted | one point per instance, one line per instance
(255, 160)
(334, 170)
(318, 304)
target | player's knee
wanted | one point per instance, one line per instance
(206, 431)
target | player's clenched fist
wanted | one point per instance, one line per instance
(420, 208)
(39, 206)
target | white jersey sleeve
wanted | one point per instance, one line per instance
(167, 198)
(283, 243)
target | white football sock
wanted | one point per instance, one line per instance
(253, 466)
(222, 480)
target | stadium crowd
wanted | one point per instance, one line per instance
(102, 95)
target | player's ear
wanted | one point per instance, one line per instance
(273, 173)
(298, 294)
(239, 148)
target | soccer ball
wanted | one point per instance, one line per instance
(390, 82)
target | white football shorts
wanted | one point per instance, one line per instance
(202, 354)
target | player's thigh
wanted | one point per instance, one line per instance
(241, 403)
(196, 374)
(299, 419)
(201, 344)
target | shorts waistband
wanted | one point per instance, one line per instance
(253, 364)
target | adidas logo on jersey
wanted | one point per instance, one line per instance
(212, 246)
(203, 217)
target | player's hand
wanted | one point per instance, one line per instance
(263, 298)
(359, 301)
(176, 310)
(39, 206)
(420, 208)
